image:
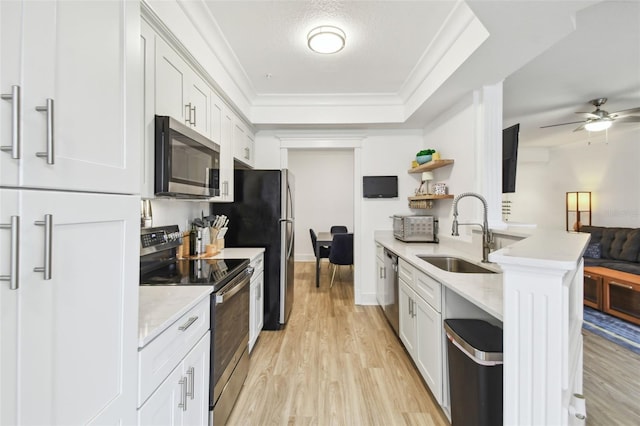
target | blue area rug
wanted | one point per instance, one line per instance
(618, 331)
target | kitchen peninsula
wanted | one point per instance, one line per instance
(538, 301)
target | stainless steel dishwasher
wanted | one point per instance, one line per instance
(390, 298)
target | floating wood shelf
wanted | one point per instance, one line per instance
(431, 165)
(430, 197)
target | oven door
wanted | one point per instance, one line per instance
(230, 328)
(186, 163)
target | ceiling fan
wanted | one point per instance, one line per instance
(600, 119)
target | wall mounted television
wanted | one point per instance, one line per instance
(380, 186)
(509, 157)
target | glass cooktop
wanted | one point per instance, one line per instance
(214, 272)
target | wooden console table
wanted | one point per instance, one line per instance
(613, 292)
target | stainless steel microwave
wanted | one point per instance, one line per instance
(187, 164)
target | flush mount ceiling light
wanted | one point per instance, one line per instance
(326, 39)
(598, 124)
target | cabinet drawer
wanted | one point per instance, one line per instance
(405, 271)
(164, 353)
(379, 251)
(429, 289)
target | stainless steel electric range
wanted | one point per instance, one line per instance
(230, 279)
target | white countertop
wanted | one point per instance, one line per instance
(483, 290)
(239, 253)
(544, 249)
(162, 305)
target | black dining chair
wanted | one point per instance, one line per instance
(339, 229)
(341, 252)
(323, 251)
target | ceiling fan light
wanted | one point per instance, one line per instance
(326, 39)
(598, 125)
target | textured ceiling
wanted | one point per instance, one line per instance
(554, 56)
(385, 41)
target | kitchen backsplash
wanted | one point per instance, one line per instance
(177, 212)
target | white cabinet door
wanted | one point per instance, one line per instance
(79, 106)
(9, 298)
(183, 397)
(74, 329)
(256, 311)
(428, 347)
(260, 304)
(407, 298)
(256, 308)
(243, 142)
(147, 129)
(171, 82)
(179, 91)
(163, 406)
(12, 91)
(221, 133)
(226, 154)
(196, 370)
(380, 282)
(199, 104)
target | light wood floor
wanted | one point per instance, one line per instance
(340, 364)
(334, 364)
(611, 382)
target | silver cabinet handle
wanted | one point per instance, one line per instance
(193, 108)
(247, 153)
(14, 283)
(48, 154)
(225, 186)
(587, 276)
(190, 375)
(621, 285)
(188, 324)
(16, 137)
(187, 115)
(183, 394)
(409, 303)
(48, 245)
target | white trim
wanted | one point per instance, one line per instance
(341, 141)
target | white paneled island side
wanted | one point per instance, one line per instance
(536, 297)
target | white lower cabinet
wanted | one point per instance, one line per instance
(68, 338)
(173, 388)
(256, 292)
(421, 325)
(183, 398)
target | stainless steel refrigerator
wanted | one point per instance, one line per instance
(262, 215)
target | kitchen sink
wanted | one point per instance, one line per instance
(456, 264)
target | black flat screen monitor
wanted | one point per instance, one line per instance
(380, 186)
(509, 158)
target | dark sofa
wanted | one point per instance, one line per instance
(613, 248)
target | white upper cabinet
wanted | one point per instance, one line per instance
(70, 103)
(243, 142)
(222, 133)
(180, 92)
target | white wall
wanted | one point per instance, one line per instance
(323, 193)
(610, 170)
(386, 152)
(177, 212)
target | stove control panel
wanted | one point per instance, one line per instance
(160, 238)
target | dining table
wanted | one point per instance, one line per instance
(324, 239)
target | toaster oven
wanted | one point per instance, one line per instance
(413, 228)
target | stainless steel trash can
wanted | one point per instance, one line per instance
(474, 350)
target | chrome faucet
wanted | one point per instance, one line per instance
(487, 236)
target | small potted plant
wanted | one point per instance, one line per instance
(424, 156)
